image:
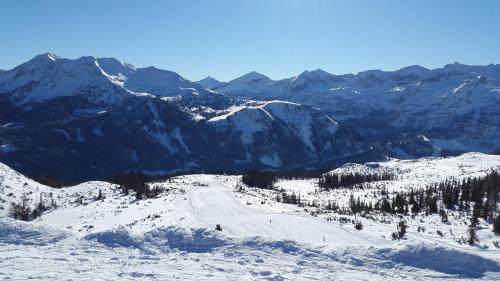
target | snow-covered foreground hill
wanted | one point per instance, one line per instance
(173, 236)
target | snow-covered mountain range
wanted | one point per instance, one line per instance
(456, 107)
(94, 117)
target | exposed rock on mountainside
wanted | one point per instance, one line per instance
(92, 118)
(456, 107)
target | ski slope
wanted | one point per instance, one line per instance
(215, 204)
(173, 236)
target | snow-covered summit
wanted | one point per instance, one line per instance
(47, 76)
(45, 57)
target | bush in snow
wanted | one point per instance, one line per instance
(358, 225)
(395, 236)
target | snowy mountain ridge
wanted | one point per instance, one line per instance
(153, 120)
(455, 106)
(47, 76)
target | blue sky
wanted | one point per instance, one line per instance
(228, 38)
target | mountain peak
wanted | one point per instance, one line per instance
(52, 56)
(315, 74)
(42, 59)
(209, 78)
(209, 82)
(48, 55)
(371, 72)
(252, 76)
(456, 65)
(412, 69)
(320, 71)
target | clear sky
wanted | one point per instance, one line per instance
(228, 38)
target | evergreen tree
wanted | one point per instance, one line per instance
(260, 179)
(473, 239)
(432, 204)
(99, 196)
(402, 226)
(496, 225)
(444, 216)
(476, 213)
(386, 206)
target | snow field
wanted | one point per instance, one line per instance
(174, 237)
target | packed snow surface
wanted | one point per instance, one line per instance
(173, 236)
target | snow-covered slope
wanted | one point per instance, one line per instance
(12, 187)
(409, 174)
(121, 237)
(16, 188)
(309, 126)
(425, 171)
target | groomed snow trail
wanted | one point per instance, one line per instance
(215, 204)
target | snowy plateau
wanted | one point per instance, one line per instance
(92, 231)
